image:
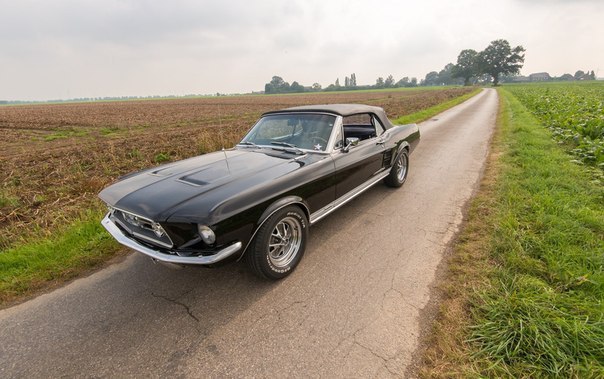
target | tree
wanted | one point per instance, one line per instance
(579, 75)
(389, 83)
(316, 87)
(379, 82)
(413, 82)
(404, 82)
(346, 82)
(337, 82)
(431, 79)
(466, 66)
(276, 85)
(353, 80)
(445, 76)
(499, 58)
(296, 87)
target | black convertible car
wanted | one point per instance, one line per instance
(257, 200)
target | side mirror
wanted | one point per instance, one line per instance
(351, 142)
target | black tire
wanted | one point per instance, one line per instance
(279, 244)
(399, 170)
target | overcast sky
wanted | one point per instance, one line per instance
(59, 49)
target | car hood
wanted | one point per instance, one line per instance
(157, 192)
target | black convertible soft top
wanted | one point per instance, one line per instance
(341, 110)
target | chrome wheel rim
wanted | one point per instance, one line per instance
(284, 242)
(401, 169)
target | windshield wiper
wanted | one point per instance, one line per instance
(279, 143)
(290, 145)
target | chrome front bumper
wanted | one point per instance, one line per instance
(168, 258)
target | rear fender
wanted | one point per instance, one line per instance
(399, 147)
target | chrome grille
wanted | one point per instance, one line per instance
(141, 228)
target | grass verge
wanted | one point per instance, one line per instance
(524, 296)
(33, 266)
(48, 262)
(429, 112)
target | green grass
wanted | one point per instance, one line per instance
(429, 112)
(38, 264)
(63, 134)
(161, 157)
(34, 265)
(536, 231)
(544, 313)
(110, 131)
(7, 200)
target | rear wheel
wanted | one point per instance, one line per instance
(399, 170)
(279, 244)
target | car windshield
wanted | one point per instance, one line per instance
(304, 130)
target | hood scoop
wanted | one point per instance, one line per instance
(206, 175)
(163, 171)
(221, 167)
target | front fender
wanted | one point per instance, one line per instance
(281, 203)
(274, 207)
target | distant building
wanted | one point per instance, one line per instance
(539, 77)
(519, 79)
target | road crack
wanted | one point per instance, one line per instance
(174, 301)
(385, 361)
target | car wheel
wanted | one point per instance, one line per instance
(279, 244)
(399, 170)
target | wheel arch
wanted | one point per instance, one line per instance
(404, 145)
(272, 209)
(400, 147)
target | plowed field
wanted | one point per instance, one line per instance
(56, 157)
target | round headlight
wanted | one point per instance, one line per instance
(207, 234)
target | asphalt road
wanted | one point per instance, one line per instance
(353, 308)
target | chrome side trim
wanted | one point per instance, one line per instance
(128, 242)
(318, 215)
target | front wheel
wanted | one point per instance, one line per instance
(279, 244)
(399, 170)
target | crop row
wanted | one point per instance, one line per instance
(574, 114)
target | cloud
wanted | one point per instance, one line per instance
(68, 48)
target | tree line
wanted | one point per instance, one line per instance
(279, 85)
(497, 59)
(497, 62)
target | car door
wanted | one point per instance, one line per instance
(359, 164)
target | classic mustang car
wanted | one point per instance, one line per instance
(257, 200)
